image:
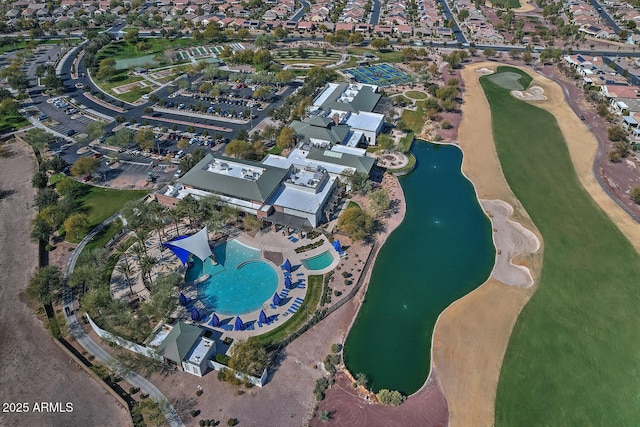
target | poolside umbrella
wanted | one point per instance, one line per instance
(183, 299)
(194, 314)
(276, 299)
(287, 282)
(214, 321)
(263, 317)
(336, 245)
(287, 265)
(238, 325)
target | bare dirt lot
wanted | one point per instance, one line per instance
(32, 368)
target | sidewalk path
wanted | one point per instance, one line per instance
(88, 344)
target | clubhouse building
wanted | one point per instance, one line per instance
(301, 190)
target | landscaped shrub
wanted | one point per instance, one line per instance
(199, 392)
(335, 348)
(446, 124)
(222, 358)
(232, 421)
(337, 293)
(194, 413)
(390, 397)
(309, 247)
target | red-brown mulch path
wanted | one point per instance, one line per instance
(427, 408)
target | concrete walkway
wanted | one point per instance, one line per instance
(88, 344)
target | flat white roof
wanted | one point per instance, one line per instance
(322, 98)
(299, 157)
(300, 200)
(200, 351)
(365, 121)
(236, 170)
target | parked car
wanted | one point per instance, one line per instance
(178, 173)
(43, 117)
(180, 154)
(86, 178)
(71, 132)
(97, 155)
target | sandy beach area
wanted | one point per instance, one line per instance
(472, 334)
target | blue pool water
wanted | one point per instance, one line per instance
(239, 283)
(318, 262)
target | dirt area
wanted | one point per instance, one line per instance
(33, 369)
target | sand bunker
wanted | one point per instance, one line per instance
(484, 70)
(534, 93)
(511, 239)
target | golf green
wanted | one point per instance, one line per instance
(442, 250)
(574, 354)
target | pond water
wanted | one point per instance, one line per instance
(442, 251)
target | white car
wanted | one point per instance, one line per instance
(178, 173)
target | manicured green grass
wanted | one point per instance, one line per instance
(106, 234)
(414, 120)
(384, 56)
(513, 4)
(416, 94)
(297, 320)
(405, 143)
(573, 357)
(100, 203)
(10, 123)
(353, 204)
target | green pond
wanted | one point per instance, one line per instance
(442, 251)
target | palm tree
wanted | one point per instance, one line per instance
(176, 217)
(125, 268)
(142, 234)
(325, 416)
(146, 264)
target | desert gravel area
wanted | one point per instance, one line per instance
(32, 368)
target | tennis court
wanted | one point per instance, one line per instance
(380, 74)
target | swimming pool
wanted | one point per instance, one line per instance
(239, 283)
(318, 262)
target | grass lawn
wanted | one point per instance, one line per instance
(573, 354)
(384, 56)
(9, 123)
(414, 120)
(297, 320)
(100, 203)
(513, 4)
(416, 94)
(106, 234)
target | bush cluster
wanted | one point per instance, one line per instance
(309, 247)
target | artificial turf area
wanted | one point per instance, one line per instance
(574, 354)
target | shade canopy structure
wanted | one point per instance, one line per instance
(195, 315)
(287, 282)
(183, 299)
(238, 325)
(214, 321)
(336, 246)
(263, 317)
(276, 299)
(287, 265)
(196, 245)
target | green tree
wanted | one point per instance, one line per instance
(379, 43)
(489, 52)
(69, 187)
(39, 179)
(285, 76)
(379, 201)
(131, 36)
(325, 416)
(144, 138)
(45, 284)
(37, 138)
(85, 165)
(162, 300)
(238, 148)
(41, 230)
(76, 224)
(262, 92)
(95, 130)
(286, 138)
(46, 197)
(361, 379)
(356, 223)
(635, 194)
(249, 357)
(360, 182)
(390, 397)
(616, 133)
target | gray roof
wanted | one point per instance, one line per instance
(307, 129)
(359, 163)
(365, 100)
(256, 190)
(179, 341)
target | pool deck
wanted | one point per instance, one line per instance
(266, 241)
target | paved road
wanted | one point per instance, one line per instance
(602, 11)
(88, 344)
(374, 18)
(297, 17)
(457, 32)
